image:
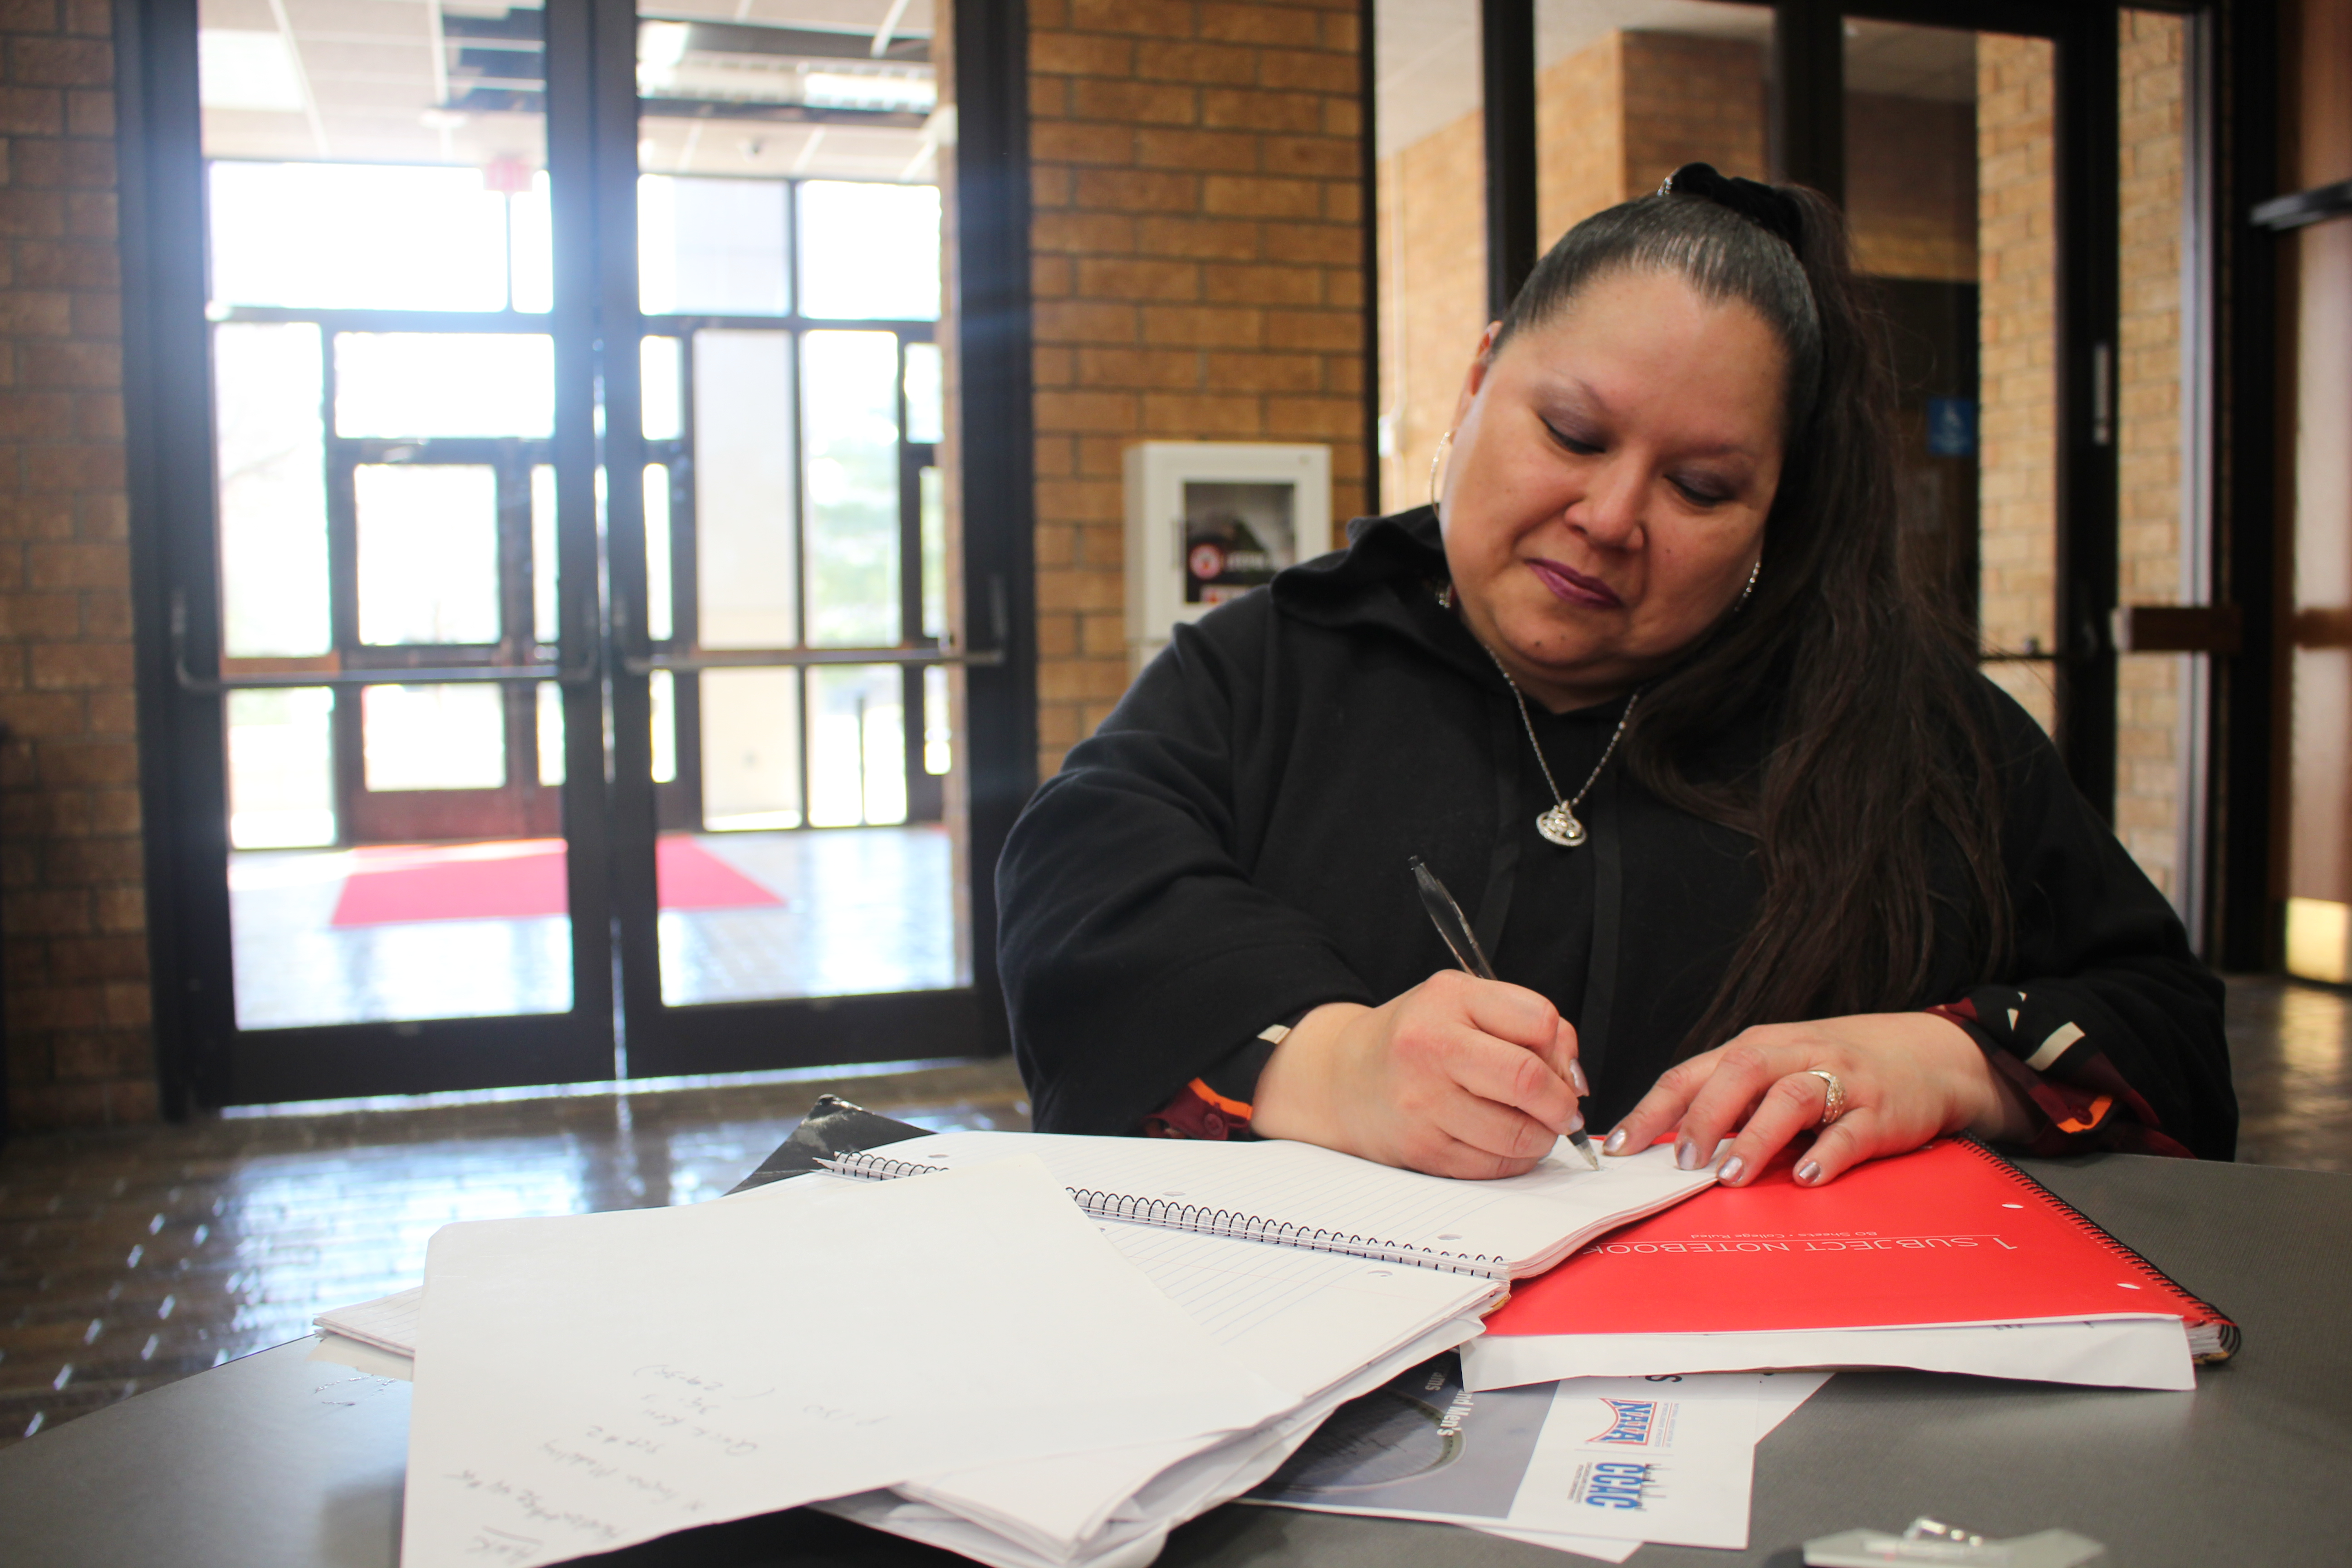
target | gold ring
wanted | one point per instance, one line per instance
(1834, 1105)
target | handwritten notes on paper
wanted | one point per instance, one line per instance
(588, 1381)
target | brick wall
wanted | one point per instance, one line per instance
(1691, 100)
(79, 1046)
(1580, 135)
(1618, 116)
(2016, 328)
(1198, 253)
(2149, 753)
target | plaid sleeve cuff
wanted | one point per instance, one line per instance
(2079, 1101)
(1218, 1104)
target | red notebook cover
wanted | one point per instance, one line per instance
(1950, 1233)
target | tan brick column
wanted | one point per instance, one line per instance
(2017, 330)
(2148, 751)
(76, 964)
(1198, 268)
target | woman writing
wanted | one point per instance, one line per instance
(1754, 847)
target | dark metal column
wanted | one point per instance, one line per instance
(2088, 202)
(2250, 451)
(1807, 121)
(1506, 37)
(998, 456)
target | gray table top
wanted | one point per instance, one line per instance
(275, 1461)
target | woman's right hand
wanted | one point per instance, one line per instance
(1458, 1077)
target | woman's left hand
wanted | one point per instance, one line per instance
(1909, 1078)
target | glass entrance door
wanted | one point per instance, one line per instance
(523, 633)
(381, 636)
(787, 634)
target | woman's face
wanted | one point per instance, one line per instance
(1611, 473)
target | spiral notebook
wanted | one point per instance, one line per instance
(1949, 1259)
(1297, 1195)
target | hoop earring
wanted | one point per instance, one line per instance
(1436, 462)
(1748, 592)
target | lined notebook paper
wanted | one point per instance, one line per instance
(1300, 1195)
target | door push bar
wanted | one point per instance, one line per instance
(581, 674)
(796, 657)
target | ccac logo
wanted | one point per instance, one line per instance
(1634, 1421)
(1613, 1483)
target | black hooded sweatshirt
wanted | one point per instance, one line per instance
(1230, 850)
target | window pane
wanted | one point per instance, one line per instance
(857, 746)
(853, 488)
(746, 564)
(432, 736)
(683, 67)
(549, 724)
(395, 384)
(661, 398)
(428, 553)
(327, 236)
(281, 768)
(273, 489)
(1430, 203)
(935, 552)
(750, 749)
(362, 85)
(711, 246)
(1627, 93)
(939, 722)
(532, 248)
(1913, 171)
(927, 419)
(1950, 152)
(659, 589)
(546, 616)
(662, 693)
(384, 157)
(869, 252)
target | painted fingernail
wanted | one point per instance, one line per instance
(1576, 1076)
(1575, 1123)
(1686, 1156)
(1810, 1171)
(1728, 1172)
(1615, 1143)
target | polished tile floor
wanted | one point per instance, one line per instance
(865, 910)
(129, 1258)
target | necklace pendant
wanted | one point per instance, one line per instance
(1559, 826)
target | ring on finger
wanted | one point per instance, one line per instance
(1833, 1104)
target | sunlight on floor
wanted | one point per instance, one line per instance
(857, 911)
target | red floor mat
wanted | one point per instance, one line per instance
(518, 880)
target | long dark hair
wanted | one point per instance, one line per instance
(1881, 777)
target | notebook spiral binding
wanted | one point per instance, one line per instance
(2226, 1331)
(1205, 1221)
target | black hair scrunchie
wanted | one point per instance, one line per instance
(1758, 204)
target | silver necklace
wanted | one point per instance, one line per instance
(1560, 824)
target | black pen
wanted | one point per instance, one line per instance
(1446, 916)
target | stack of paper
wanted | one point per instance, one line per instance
(1595, 1465)
(969, 1358)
